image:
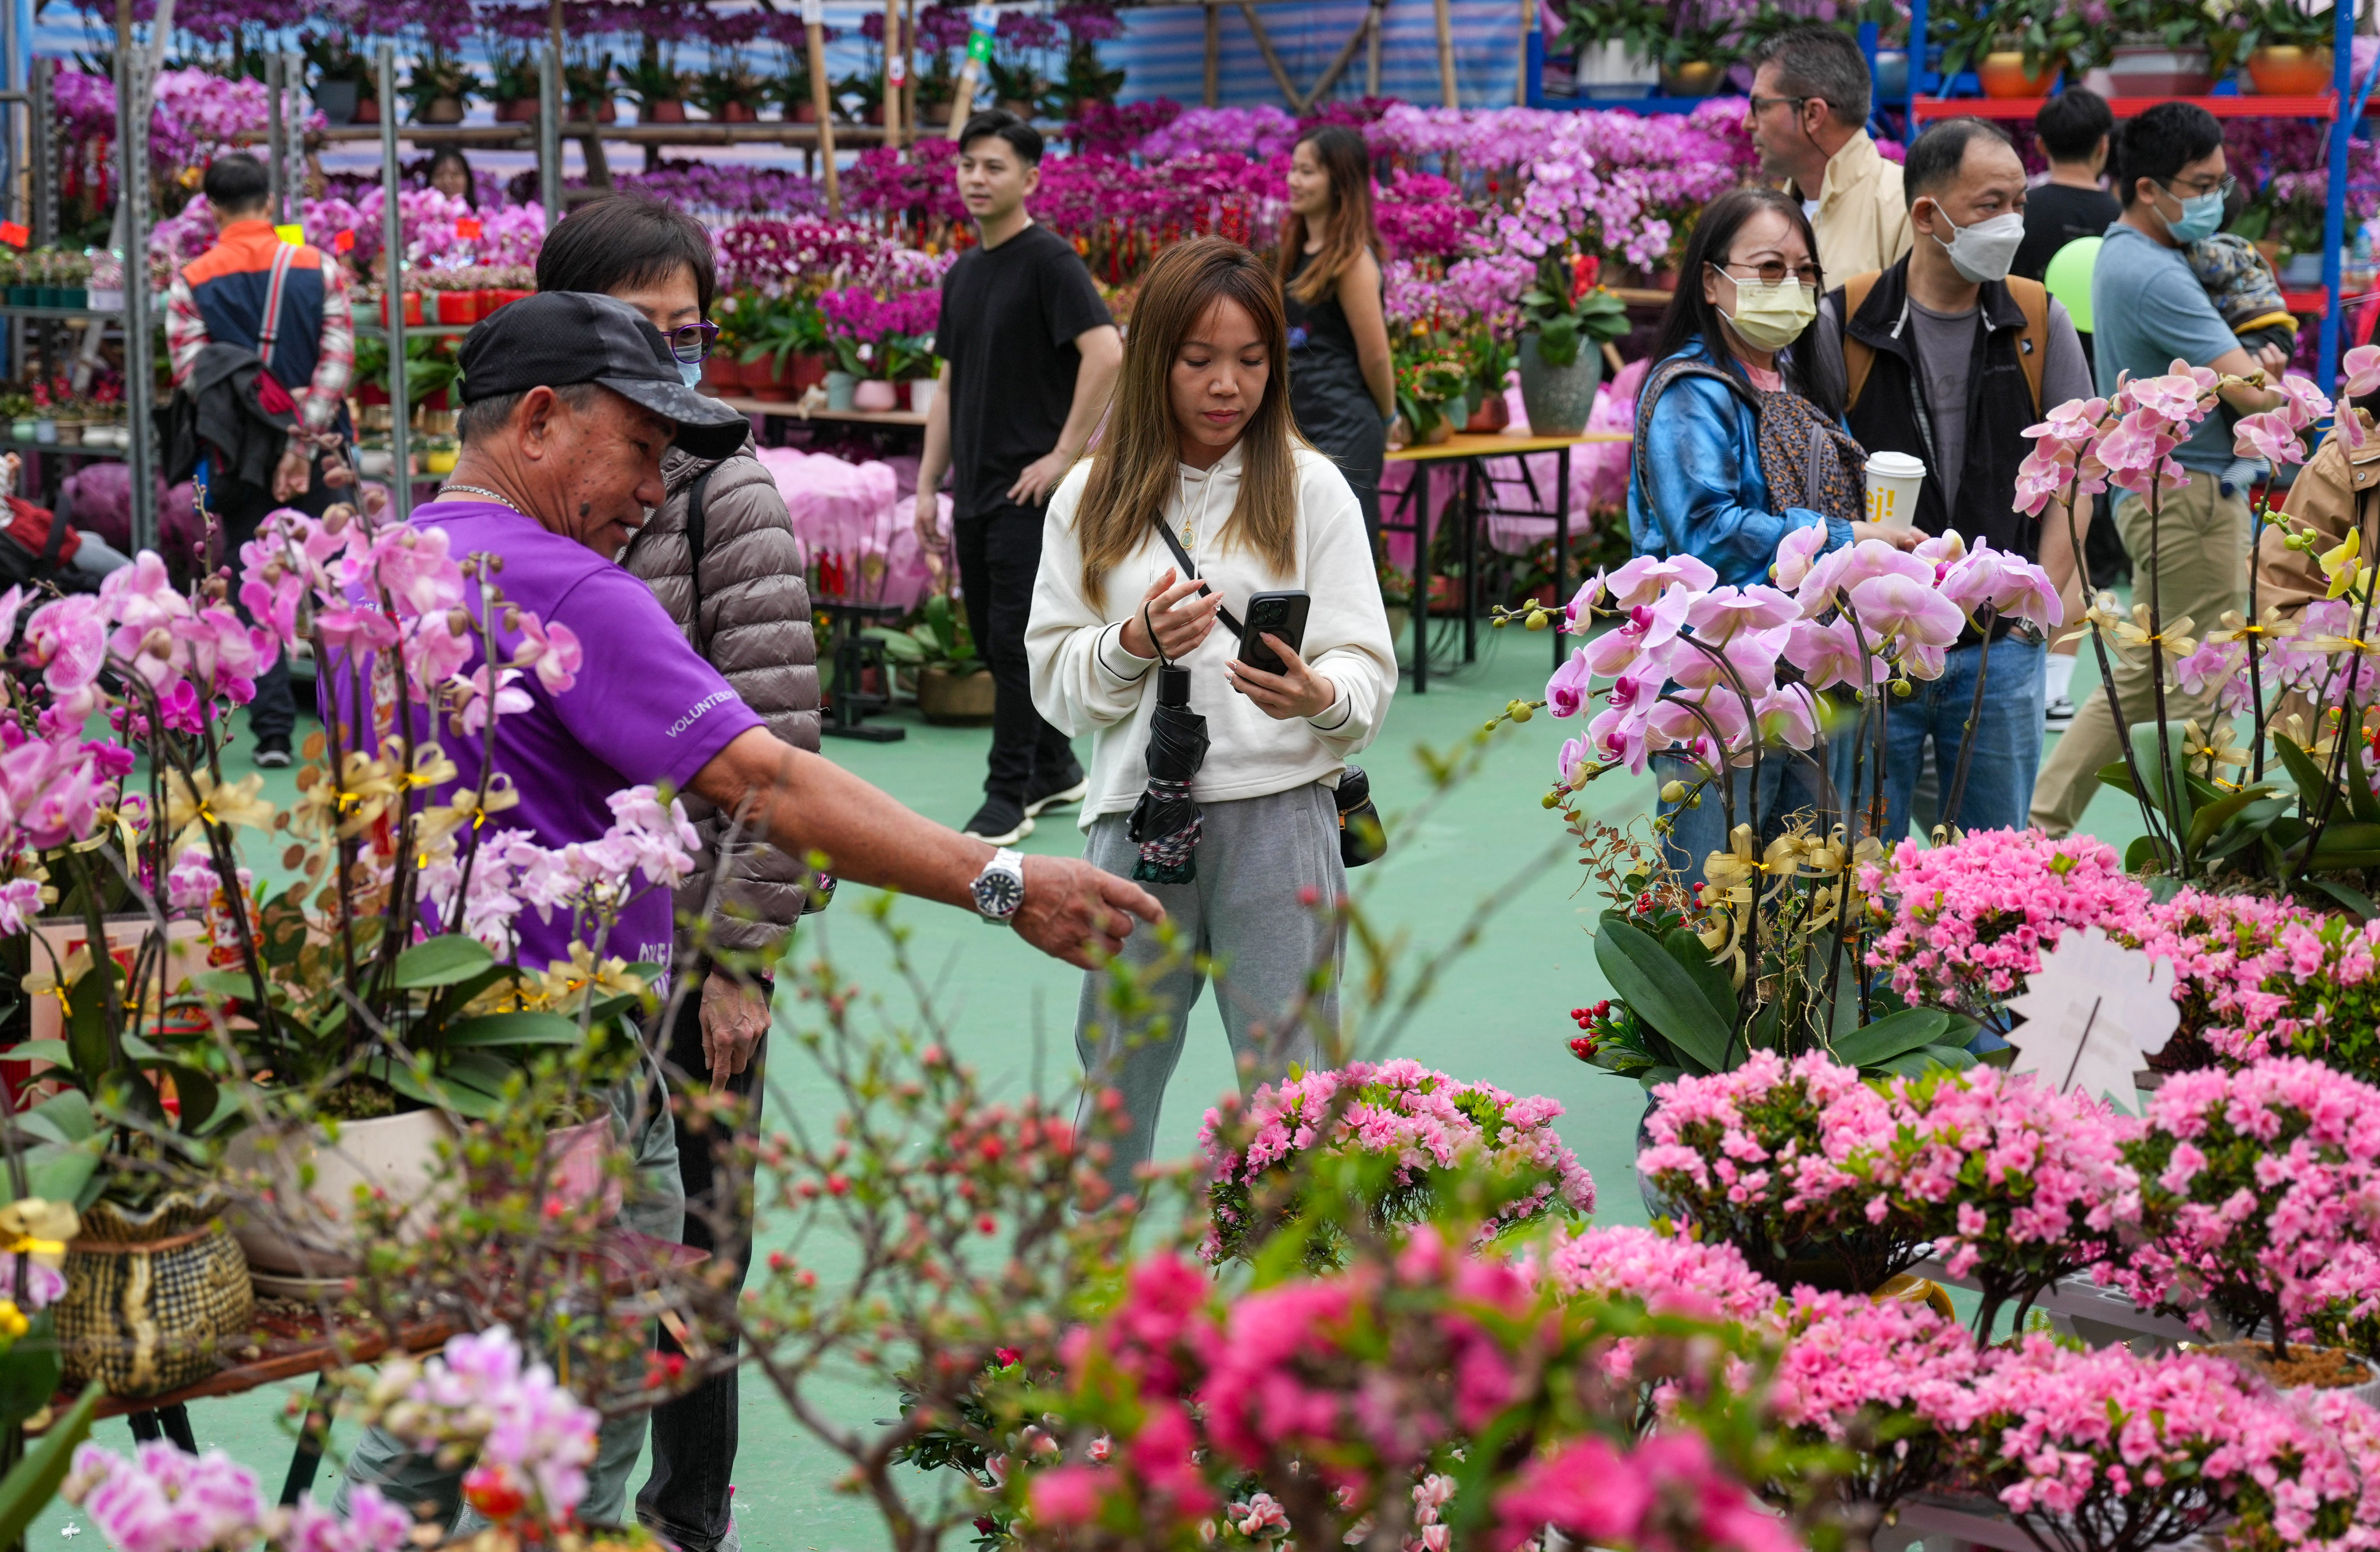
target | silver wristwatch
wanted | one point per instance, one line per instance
(999, 889)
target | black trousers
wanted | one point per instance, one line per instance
(694, 1437)
(239, 509)
(999, 555)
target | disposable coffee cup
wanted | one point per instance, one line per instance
(1893, 480)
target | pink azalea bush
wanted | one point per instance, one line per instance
(2017, 1184)
(1963, 924)
(1341, 1399)
(2252, 1182)
(1770, 1157)
(2260, 977)
(2117, 1452)
(1889, 1378)
(1667, 1273)
(1403, 1128)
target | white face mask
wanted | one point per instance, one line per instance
(691, 373)
(1771, 317)
(1985, 250)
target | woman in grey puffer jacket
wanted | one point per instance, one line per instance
(754, 626)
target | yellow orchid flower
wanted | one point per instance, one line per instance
(566, 982)
(2339, 562)
(39, 1228)
(2206, 754)
(2102, 618)
(2272, 625)
(2175, 641)
(49, 977)
(208, 802)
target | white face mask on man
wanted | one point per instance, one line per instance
(1984, 252)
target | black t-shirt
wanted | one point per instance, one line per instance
(1009, 320)
(2056, 215)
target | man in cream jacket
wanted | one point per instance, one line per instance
(1808, 119)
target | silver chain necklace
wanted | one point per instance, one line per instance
(480, 491)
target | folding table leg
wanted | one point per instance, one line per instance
(311, 1435)
(1421, 483)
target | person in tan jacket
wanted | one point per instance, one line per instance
(2323, 501)
(1807, 118)
(746, 609)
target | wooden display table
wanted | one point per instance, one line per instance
(1471, 451)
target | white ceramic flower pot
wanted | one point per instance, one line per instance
(1611, 71)
(921, 393)
(309, 1231)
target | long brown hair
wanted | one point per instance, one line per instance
(1347, 163)
(1137, 469)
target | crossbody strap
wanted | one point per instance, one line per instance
(1190, 568)
(697, 534)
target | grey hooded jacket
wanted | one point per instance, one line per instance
(756, 631)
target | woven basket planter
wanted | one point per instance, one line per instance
(152, 1295)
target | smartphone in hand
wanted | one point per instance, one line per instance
(1282, 614)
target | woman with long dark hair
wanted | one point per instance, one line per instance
(450, 174)
(1200, 441)
(1739, 443)
(1342, 387)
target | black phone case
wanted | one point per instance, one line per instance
(1282, 614)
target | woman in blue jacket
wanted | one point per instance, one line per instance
(1739, 443)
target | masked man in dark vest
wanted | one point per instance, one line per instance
(1948, 360)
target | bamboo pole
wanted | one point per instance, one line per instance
(1214, 83)
(896, 72)
(813, 26)
(1446, 54)
(1273, 60)
(1520, 76)
(985, 21)
(1372, 52)
(909, 119)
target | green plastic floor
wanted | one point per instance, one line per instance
(1500, 1014)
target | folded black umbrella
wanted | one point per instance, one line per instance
(1165, 820)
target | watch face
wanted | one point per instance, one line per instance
(999, 893)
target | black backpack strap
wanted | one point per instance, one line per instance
(1190, 568)
(696, 537)
(1658, 383)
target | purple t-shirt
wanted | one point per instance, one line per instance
(646, 710)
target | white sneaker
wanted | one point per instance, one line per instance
(2057, 716)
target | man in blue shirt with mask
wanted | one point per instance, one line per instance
(2151, 310)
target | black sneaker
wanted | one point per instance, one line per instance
(1070, 787)
(2058, 716)
(272, 754)
(1002, 821)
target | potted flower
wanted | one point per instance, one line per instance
(783, 346)
(656, 85)
(589, 84)
(954, 690)
(1888, 1376)
(732, 95)
(1492, 357)
(878, 342)
(1396, 597)
(2288, 49)
(439, 86)
(2251, 1183)
(1430, 379)
(2161, 49)
(2016, 50)
(1566, 318)
(343, 77)
(1694, 59)
(1615, 48)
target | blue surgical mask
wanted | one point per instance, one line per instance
(691, 372)
(2202, 217)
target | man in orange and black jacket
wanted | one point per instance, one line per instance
(288, 303)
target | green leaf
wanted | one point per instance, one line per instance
(480, 1070)
(1924, 1060)
(2354, 844)
(87, 1022)
(2303, 772)
(231, 986)
(2148, 738)
(2119, 775)
(42, 1050)
(58, 1172)
(462, 1102)
(1718, 986)
(29, 1370)
(62, 1117)
(2359, 797)
(34, 1481)
(2210, 818)
(1652, 1078)
(1956, 1058)
(512, 1029)
(198, 1093)
(1873, 1045)
(1659, 990)
(2144, 853)
(2354, 900)
(442, 961)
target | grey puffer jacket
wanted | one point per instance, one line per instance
(756, 631)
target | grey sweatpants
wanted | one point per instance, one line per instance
(1275, 959)
(655, 1204)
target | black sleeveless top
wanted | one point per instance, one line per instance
(1327, 394)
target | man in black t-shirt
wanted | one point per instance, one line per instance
(2073, 127)
(1029, 357)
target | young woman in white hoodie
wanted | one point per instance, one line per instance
(1202, 439)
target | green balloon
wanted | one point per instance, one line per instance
(2069, 278)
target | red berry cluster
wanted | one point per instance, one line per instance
(1587, 1019)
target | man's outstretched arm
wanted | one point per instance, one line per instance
(804, 803)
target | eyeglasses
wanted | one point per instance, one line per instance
(1761, 104)
(1774, 271)
(693, 342)
(2228, 188)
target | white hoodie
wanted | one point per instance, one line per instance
(1084, 681)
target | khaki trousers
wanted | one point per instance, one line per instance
(2201, 571)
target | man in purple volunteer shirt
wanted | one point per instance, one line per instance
(568, 401)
